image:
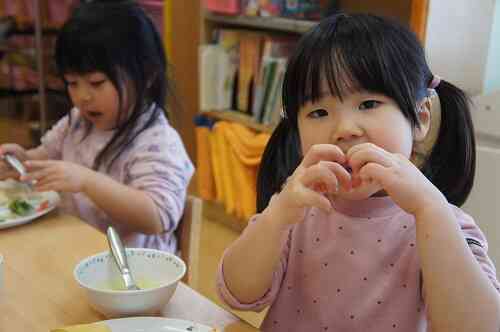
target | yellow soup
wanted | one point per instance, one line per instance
(119, 285)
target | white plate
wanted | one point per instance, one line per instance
(51, 196)
(154, 324)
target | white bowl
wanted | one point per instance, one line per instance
(98, 274)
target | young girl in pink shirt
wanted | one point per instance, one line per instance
(358, 226)
(114, 157)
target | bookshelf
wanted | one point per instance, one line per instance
(31, 37)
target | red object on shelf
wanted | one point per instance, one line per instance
(154, 8)
(60, 10)
(231, 7)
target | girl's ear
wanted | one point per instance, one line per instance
(424, 138)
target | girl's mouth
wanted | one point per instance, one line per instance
(348, 168)
(94, 114)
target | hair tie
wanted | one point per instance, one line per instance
(435, 82)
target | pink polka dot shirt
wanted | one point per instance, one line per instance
(352, 270)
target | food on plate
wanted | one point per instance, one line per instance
(4, 199)
(18, 200)
(20, 207)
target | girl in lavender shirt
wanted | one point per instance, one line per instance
(114, 156)
(359, 228)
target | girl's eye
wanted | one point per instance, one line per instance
(70, 84)
(369, 104)
(97, 83)
(317, 113)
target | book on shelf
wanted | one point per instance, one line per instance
(243, 71)
(303, 9)
(268, 86)
(263, 88)
(212, 60)
(250, 53)
(250, 7)
(298, 9)
(272, 108)
(54, 12)
(231, 7)
(270, 8)
(218, 65)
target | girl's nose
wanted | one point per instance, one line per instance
(347, 130)
(85, 95)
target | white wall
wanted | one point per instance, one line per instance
(492, 82)
(457, 41)
(483, 202)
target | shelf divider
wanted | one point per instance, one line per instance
(239, 117)
(263, 23)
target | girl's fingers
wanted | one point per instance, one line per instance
(343, 176)
(356, 148)
(320, 178)
(328, 169)
(310, 197)
(14, 149)
(327, 152)
(9, 174)
(47, 179)
(370, 154)
(38, 174)
(38, 164)
(48, 186)
(375, 172)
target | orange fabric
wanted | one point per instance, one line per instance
(236, 157)
(216, 166)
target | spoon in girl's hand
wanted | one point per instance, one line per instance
(19, 168)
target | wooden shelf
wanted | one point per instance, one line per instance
(8, 48)
(13, 93)
(263, 23)
(48, 30)
(236, 116)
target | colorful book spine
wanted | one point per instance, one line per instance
(250, 7)
(271, 7)
(305, 9)
(230, 7)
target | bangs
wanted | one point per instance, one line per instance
(78, 52)
(344, 55)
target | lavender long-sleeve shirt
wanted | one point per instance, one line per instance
(155, 162)
(353, 270)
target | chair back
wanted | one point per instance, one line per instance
(188, 238)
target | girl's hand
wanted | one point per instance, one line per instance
(6, 170)
(320, 173)
(57, 175)
(397, 175)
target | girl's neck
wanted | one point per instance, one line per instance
(373, 207)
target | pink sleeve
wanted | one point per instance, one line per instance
(478, 245)
(53, 140)
(278, 276)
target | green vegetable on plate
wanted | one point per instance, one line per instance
(20, 207)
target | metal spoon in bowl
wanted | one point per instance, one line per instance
(118, 252)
